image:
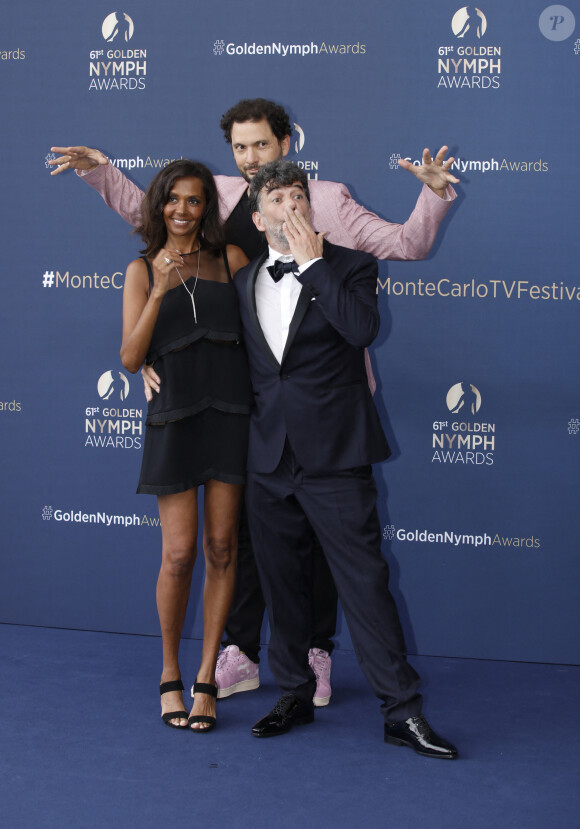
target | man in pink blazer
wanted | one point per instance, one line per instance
(259, 131)
(248, 129)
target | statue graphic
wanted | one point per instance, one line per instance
(467, 401)
(117, 385)
(474, 23)
(122, 26)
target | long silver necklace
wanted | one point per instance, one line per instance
(192, 292)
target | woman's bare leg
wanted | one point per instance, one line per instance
(179, 520)
(220, 543)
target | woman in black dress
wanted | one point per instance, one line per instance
(180, 313)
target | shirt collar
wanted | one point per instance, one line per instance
(274, 254)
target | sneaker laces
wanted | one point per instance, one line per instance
(225, 656)
(319, 657)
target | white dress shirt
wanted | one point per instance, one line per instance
(276, 301)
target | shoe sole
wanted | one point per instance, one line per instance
(320, 702)
(244, 685)
(396, 742)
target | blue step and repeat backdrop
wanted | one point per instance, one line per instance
(477, 359)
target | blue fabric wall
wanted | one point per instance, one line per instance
(480, 508)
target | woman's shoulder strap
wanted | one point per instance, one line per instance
(149, 270)
(227, 264)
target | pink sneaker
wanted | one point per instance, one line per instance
(320, 662)
(235, 672)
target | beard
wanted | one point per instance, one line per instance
(276, 236)
(246, 175)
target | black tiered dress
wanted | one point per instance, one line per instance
(197, 426)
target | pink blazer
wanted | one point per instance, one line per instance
(351, 225)
(346, 222)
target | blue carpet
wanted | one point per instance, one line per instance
(83, 746)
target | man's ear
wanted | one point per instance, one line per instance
(285, 145)
(257, 219)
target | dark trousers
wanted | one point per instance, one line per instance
(341, 508)
(244, 623)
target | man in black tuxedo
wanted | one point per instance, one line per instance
(314, 433)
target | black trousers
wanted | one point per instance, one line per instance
(341, 508)
(244, 623)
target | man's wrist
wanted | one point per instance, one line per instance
(448, 194)
(438, 191)
(83, 173)
(306, 265)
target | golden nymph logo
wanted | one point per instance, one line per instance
(114, 67)
(463, 438)
(464, 61)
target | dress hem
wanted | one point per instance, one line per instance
(173, 489)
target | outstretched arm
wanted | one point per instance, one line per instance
(434, 172)
(353, 226)
(119, 193)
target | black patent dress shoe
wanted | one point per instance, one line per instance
(417, 733)
(288, 711)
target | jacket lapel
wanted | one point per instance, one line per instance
(230, 191)
(302, 307)
(304, 300)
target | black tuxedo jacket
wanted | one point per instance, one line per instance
(319, 395)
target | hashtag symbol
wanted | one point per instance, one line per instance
(218, 47)
(48, 279)
(574, 426)
(389, 532)
(394, 161)
(577, 47)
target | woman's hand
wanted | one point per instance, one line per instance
(164, 262)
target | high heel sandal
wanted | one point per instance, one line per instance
(164, 688)
(211, 691)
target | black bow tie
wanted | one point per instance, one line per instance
(279, 268)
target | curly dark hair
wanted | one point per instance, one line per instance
(255, 109)
(277, 173)
(152, 227)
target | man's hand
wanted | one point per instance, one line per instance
(434, 172)
(151, 381)
(76, 158)
(305, 243)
